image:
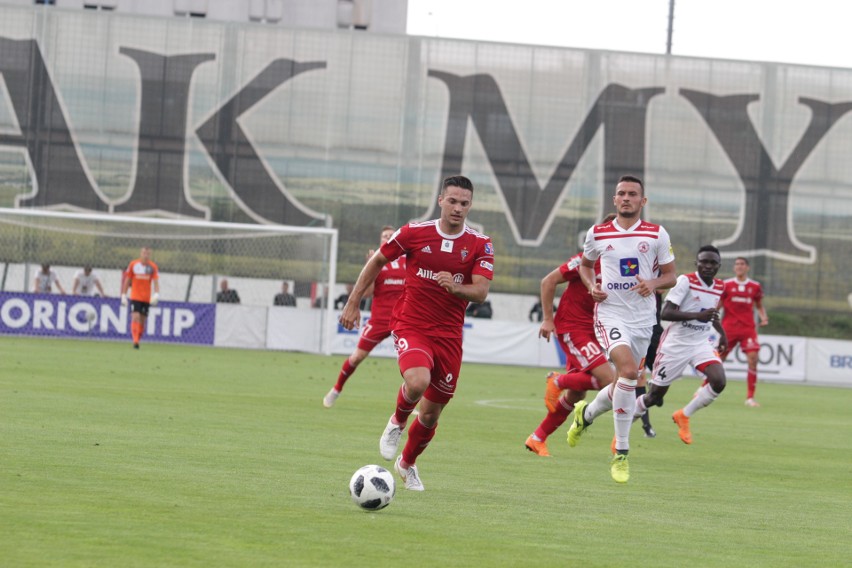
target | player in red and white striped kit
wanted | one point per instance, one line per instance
(693, 308)
(741, 297)
(448, 265)
(386, 291)
(636, 259)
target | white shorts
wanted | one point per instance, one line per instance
(612, 333)
(674, 360)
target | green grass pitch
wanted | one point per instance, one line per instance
(184, 456)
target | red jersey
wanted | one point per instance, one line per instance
(576, 306)
(387, 290)
(424, 305)
(738, 301)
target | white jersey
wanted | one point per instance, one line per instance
(626, 254)
(86, 283)
(44, 282)
(692, 294)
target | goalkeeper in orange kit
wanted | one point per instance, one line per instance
(141, 276)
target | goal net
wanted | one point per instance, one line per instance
(194, 258)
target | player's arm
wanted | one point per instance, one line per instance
(59, 286)
(76, 285)
(761, 312)
(723, 338)
(100, 287)
(475, 292)
(672, 312)
(548, 292)
(587, 275)
(351, 314)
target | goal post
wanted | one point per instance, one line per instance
(193, 256)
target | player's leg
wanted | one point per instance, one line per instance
(624, 394)
(537, 441)
(347, 370)
(715, 373)
(441, 388)
(751, 348)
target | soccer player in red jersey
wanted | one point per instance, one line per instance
(448, 265)
(140, 277)
(586, 366)
(741, 297)
(386, 291)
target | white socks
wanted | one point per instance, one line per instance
(703, 397)
(623, 408)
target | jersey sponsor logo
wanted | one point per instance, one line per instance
(741, 299)
(458, 278)
(427, 249)
(619, 285)
(695, 326)
(629, 266)
(489, 249)
(394, 281)
(486, 265)
(643, 247)
(427, 274)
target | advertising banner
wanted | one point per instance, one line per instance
(781, 358)
(830, 361)
(56, 315)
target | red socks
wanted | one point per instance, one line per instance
(345, 372)
(419, 437)
(554, 420)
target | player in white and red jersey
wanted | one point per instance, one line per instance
(741, 297)
(386, 290)
(448, 265)
(636, 258)
(586, 363)
(693, 307)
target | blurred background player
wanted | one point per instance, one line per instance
(741, 297)
(586, 364)
(86, 282)
(140, 277)
(693, 308)
(45, 280)
(386, 290)
(448, 264)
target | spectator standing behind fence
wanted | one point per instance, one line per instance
(285, 298)
(482, 310)
(45, 280)
(226, 295)
(140, 277)
(86, 281)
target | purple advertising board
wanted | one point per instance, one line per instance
(55, 315)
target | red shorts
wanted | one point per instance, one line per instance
(441, 355)
(747, 338)
(373, 333)
(582, 351)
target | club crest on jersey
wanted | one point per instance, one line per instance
(643, 247)
(446, 245)
(629, 266)
(464, 253)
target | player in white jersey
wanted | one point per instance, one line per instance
(693, 307)
(86, 281)
(636, 259)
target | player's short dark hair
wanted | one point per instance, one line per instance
(744, 259)
(608, 218)
(709, 248)
(632, 179)
(458, 181)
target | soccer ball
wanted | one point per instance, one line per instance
(372, 487)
